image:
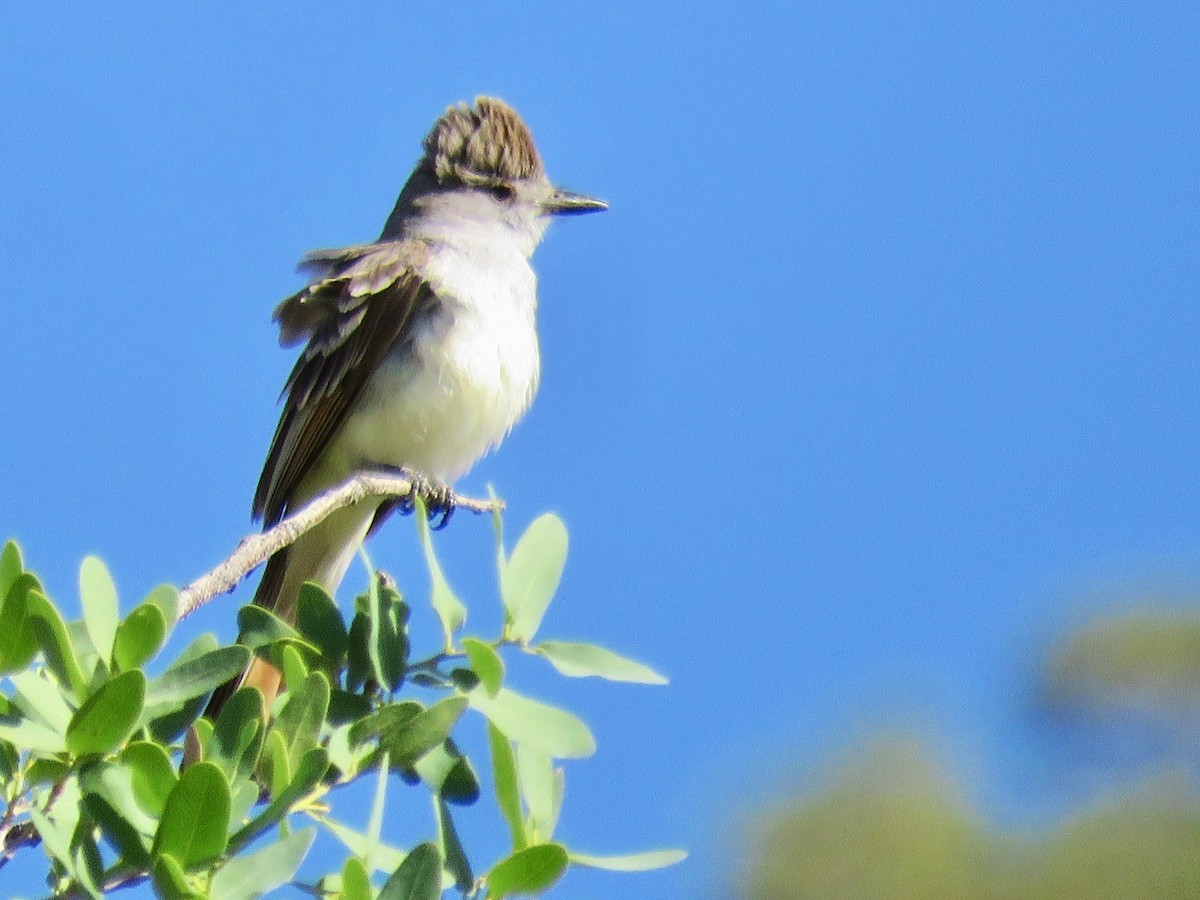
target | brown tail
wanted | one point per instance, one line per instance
(259, 674)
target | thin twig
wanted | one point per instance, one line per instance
(256, 549)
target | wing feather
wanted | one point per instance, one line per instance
(362, 304)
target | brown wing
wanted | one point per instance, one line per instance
(362, 304)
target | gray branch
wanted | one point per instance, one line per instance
(256, 549)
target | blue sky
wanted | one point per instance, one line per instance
(880, 370)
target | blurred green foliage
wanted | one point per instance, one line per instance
(891, 824)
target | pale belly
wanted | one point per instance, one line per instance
(446, 402)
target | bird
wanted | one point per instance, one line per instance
(420, 348)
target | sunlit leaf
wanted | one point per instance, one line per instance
(582, 660)
(152, 774)
(308, 776)
(554, 731)
(194, 678)
(108, 717)
(196, 816)
(55, 643)
(98, 596)
(529, 871)
(631, 862)
(255, 874)
(18, 643)
(170, 881)
(384, 858)
(485, 662)
(11, 565)
(238, 734)
(411, 740)
(356, 884)
(446, 772)
(532, 574)
(504, 779)
(301, 718)
(535, 774)
(450, 610)
(139, 636)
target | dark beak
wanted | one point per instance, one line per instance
(566, 203)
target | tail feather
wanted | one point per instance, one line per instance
(259, 673)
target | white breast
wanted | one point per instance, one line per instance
(468, 378)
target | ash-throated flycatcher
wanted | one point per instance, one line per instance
(422, 347)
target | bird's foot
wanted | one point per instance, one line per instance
(440, 499)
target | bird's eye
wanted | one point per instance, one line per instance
(501, 192)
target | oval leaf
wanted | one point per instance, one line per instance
(583, 660)
(139, 636)
(418, 878)
(485, 662)
(631, 862)
(450, 610)
(18, 643)
(320, 621)
(529, 871)
(55, 642)
(98, 595)
(251, 876)
(532, 574)
(153, 775)
(195, 820)
(109, 716)
(554, 731)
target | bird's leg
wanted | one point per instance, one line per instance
(439, 497)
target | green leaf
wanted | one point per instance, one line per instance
(195, 818)
(532, 574)
(192, 678)
(375, 822)
(356, 884)
(112, 782)
(554, 731)
(98, 596)
(407, 742)
(139, 636)
(450, 610)
(385, 719)
(292, 666)
(40, 699)
(118, 831)
(302, 716)
(320, 622)
(447, 773)
(504, 777)
(632, 862)
(169, 879)
(108, 717)
(166, 598)
(238, 734)
(529, 871)
(541, 789)
(11, 565)
(29, 735)
(308, 776)
(359, 666)
(258, 627)
(452, 849)
(485, 662)
(419, 877)
(153, 777)
(274, 769)
(388, 643)
(583, 660)
(251, 876)
(55, 643)
(383, 858)
(18, 643)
